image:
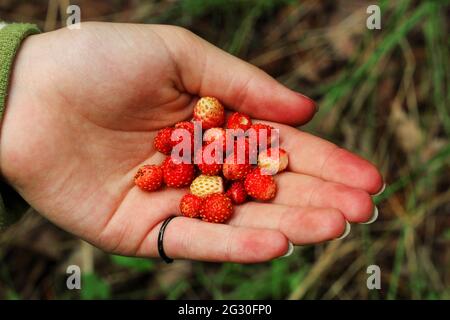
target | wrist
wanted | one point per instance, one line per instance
(17, 99)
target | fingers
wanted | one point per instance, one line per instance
(308, 191)
(187, 238)
(209, 71)
(314, 156)
(300, 225)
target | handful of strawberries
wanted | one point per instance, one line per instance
(222, 166)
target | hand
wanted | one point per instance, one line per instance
(85, 105)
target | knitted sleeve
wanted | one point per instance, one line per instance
(12, 205)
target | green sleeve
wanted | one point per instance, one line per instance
(12, 206)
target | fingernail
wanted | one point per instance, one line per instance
(381, 191)
(374, 216)
(346, 231)
(290, 250)
(316, 106)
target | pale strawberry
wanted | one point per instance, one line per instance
(216, 208)
(210, 112)
(259, 186)
(273, 160)
(205, 185)
(149, 177)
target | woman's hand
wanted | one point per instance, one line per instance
(84, 107)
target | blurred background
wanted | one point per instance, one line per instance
(383, 94)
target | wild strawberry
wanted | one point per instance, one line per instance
(216, 208)
(189, 126)
(237, 192)
(273, 160)
(186, 125)
(235, 168)
(163, 142)
(210, 112)
(180, 131)
(205, 185)
(177, 175)
(261, 131)
(244, 151)
(190, 205)
(149, 177)
(215, 135)
(259, 186)
(239, 121)
(208, 163)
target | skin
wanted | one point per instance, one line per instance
(82, 112)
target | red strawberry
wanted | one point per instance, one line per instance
(179, 130)
(216, 208)
(215, 135)
(273, 160)
(210, 112)
(190, 205)
(186, 125)
(189, 126)
(236, 168)
(259, 186)
(149, 177)
(205, 165)
(242, 148)
(239, 121)
(237, 192)
(264, 130)
(177, 175)
(162, 141)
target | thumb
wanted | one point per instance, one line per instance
(206, 70)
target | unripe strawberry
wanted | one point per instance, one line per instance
(239, 121)
(216, 208)
(273, 160)
(205, 185)
(237, 192)
(259, 186)
(149, 177)
(210, 112)
(163, 142)
(177, 175)
(190, 205)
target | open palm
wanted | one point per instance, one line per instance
(85, 105)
